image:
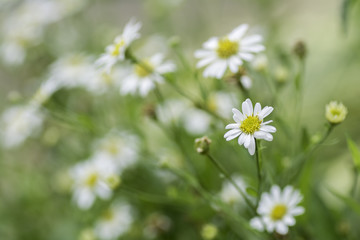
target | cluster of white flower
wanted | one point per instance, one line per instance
(20, 122)
(100, 174)
(24, 28)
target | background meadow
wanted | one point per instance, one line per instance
(173, 191)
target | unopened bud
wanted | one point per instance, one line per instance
(202, 145)
(300, 49)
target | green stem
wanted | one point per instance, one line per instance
(258, 165)
(228, 177)
(354, 187)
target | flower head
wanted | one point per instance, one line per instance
(336, 112)
(116, 51)
(277, 210)
(250, 125)
(114, 222)
(230, 51)
(146, 74)
(229, 194)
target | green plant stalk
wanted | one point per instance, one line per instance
(228, 177)
(259, 167)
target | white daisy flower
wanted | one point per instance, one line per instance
(250, 125)
(230, 51)
(92, 178)
(229, 194)
(116, 51)
(335, 112)
(146, 75)
(18, 123)
(246, 82)
(277, 210)
(115, 222)
(121, 148)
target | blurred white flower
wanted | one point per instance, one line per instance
(335, 112)
(18, 123)
(26, 25)
(196, 122)
(277, 210)
(229, 194)
(92, 178)
(46, 90)
(119, 147)
(246, 82)
(116, 51)
(146, 75)
(103, 81)
(72, 70)
(260, 62)
(171, 110)
(228, 52)
(222, 102)
(115, 222)
(249, 125)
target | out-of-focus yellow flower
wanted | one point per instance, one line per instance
(335, 112)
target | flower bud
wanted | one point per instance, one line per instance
(335, 112)
(209, 231)
(202, 145)
(300, 49)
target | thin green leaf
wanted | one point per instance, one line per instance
(355, 152)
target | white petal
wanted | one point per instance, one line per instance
(257, 224)
(286, 194)
(241, 139)
(232, 125)
(265, 112)
(221, 68)
(252, 146)
(233, 133)
(166, 67)
(281, 228)
(246, 56)
(289, 220)
(297, 211)
(157, 59)
(257, 108)
(251, 40)
(203, 53)
(246, 82)
(253, 48)
(205, 61)
(238, 32)
(248, 101)
(267, 128)
(247, 140)
(233, 65)
(276, 193)
(212, 43)
(295, 198)
(246, 109)
(145, 86)
(238, 116)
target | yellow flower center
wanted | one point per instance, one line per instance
(117, 48)
(335, 112)
(250, 125)
(143, 69)
(278, 212)
(91, 180)
(227, 48)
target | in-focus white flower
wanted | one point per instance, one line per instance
(116, 51)
(277, 210)
(336, 112)
(115, 222)
(229, 194)
(250, 125)
(119, 147)
(230, 51)
(92, 178)
(18, 123)
(146, 75)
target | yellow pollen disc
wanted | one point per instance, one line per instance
(335, 112)
(278, 212)
(91, 180)
(250, 125)
(227, 48)
(118, 45)
(144, 69)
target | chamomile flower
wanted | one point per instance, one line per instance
(18, 123)
(146, 75)
(250, 125)
(92, 178)
(277, 210)
(119, 147)
(336, 112)
(116, 51)
(229, 194)
(230, 51)
(115, 222)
